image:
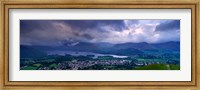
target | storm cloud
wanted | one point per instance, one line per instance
(168, 25)
(58, 32)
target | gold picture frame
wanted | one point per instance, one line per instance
(127, 4)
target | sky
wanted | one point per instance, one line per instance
(58, 32)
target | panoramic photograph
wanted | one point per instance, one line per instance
(100, 44)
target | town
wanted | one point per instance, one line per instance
(69, 62)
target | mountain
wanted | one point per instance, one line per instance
(173, 46)
(31, 52)
(128, 49)
(139, 46)
(80, 46)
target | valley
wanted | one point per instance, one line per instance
(102, 56)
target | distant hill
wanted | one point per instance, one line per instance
(103, 48)
(31, 52)
(84, 46)
(139, 46)
(173, 46)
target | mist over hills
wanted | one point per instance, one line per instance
(127, 49)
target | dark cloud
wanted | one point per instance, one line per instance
(58, 32)
(169, 25)
(29, 25)
(91, 24)
(41, 31)
(87, 36)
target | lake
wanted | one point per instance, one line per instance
(74, 53)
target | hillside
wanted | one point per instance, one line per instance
(127, 49)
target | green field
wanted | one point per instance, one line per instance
(37, 65)
(158, 67)
(53, 65)
(175, 67)
(29, 68)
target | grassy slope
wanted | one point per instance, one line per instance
(29, 68)
(53, 65)
(158, 67)
(175, 67)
